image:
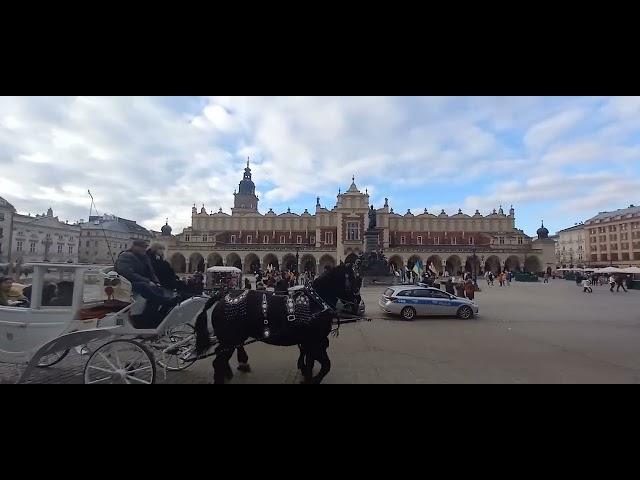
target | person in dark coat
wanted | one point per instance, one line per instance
(164, 272)
(449, 287)
(135, 266)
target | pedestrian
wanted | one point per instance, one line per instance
(620, 283)
(586, 287)
(469, 289)
(546, 278)
(612, 282)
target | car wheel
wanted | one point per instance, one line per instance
(465, 313)
(408, 313)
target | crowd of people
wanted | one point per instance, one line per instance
(614, 281)
(280, 281)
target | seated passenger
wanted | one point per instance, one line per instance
(9, 297)
(64, 295)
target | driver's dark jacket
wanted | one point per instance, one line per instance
(166, 275)
(135, 268)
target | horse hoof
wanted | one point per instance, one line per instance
(244, 368)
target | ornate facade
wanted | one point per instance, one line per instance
(248, 239)
(44, 238)
(613, 238)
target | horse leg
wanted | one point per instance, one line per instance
(301, 359)
(243, 360)
(325, 362)
(221, 368)
(307, 372)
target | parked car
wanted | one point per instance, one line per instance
(410, 301)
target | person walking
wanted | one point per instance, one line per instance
(546, 278)
(612, 282)
(586, 288)
(620, 283)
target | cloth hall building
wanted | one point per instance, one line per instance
(249, 239)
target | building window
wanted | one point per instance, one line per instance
(328, 238)
(70, 249)
(32, 248)
(471, 240)
(403, 240)
(353, 231)
(437, 241)
(125, 246)
(187, 238)
(1, 217)
(519, 240)
(88, 243)
(19, 246)
(282, 239)
(265, 239)
(60, 238)
(233, 239)
(59, 249)
(97, 244)
(501, 240)
(454, 241)
(312, 240)
(249, 239)
(419, 239)
(88, 234)
(299, 239)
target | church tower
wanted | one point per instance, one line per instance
(245, 200)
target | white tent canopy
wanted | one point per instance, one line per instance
(635, 270)
(610, 270)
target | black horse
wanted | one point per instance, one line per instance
(304, 318)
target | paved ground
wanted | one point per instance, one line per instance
(526, 333)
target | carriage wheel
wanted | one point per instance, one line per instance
(50, 360)
(121, 361)
(174, 362)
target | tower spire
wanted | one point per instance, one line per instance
(247, 162)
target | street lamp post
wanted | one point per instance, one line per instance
(297, 260)
(475, 268)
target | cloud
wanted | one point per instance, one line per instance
(149, 158)
(543, 133)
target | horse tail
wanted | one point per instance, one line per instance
(203, 342)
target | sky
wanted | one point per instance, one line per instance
(561, 159)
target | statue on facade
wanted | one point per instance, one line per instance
(372, 218)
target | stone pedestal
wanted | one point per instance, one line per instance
(374, 270)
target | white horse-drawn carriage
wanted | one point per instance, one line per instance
(97, 311)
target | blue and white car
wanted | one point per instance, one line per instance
(410, 301)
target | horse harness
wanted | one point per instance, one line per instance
(297, 308)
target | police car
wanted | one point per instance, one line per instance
(410, 301)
